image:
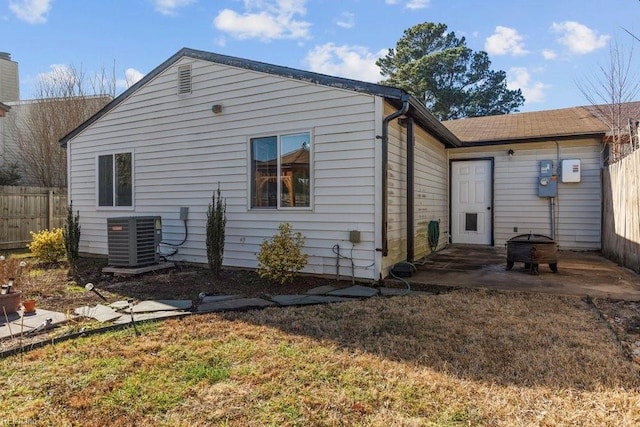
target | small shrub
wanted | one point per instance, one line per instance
(47, 245)
(71, 234)
(216, 221)
(281, 258)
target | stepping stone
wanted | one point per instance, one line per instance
(321, 290)
(390, 292)
(356, 291)
(286, 300)
(216, 298)
(162, 305)
(14, 330)
(139, 317)
(234, 304)
(101, 313)
(35, 320)
(119, 305)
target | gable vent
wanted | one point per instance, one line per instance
(184, 79)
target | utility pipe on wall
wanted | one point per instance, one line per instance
(385, 167)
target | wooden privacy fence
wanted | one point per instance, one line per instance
(26, 209)
(621, 212)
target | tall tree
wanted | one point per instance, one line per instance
(453, 81)
(63, 100)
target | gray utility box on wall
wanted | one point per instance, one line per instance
(133, 240)
(547, 181)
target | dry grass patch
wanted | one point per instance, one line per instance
(464, 358)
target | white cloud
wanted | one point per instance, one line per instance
(131, 77)
(354, 62)
(519, 78)
(58, 75)
(346, 20)
(411, 4)
(417, 4)
(31, 11)
(578, 38)
(265, 20)
(505, 41)
(170, 7)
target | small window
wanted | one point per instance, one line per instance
(184, 79)
(281, 171)
(115, 180)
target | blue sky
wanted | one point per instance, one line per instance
(545, 46)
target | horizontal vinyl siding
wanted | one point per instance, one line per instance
(516, 201)
(430, 191)
(182, 151)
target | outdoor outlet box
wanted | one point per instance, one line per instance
(354, 236)
(571, 170)
(184, 213)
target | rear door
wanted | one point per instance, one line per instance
(471, 201)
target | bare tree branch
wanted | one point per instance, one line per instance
(64, 98)
(611, 92)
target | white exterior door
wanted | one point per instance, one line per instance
(471, 202)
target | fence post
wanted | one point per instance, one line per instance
(50, 216)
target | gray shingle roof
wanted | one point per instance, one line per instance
(547, 124)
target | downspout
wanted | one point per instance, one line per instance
(553, 200)
(385, 167)
(410, 190)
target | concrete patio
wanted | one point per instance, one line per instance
(579, 273)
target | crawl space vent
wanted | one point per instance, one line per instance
(184, 79)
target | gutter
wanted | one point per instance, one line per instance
(410, 190)
(385, 167)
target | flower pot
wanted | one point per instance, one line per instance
(10, 303)
(29, 305)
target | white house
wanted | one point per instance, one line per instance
(537, 172)
(331, 156)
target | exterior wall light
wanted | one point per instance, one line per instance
(216, 108)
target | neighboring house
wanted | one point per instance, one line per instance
(326, 154)
(4, 109)
(496, 177)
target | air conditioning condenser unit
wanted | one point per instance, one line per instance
(133, 240)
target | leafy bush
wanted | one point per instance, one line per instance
(47, 245)
(216, 221)
(71, 235)
(281, 258)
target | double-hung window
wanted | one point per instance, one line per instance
(281, 171)
(115, 179)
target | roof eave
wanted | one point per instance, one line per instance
(545, 138)
(420, 113)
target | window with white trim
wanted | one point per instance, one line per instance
(115, 179)
(281, 171)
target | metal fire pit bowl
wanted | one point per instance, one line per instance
(532, 250)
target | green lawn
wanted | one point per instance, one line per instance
(456, 359)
